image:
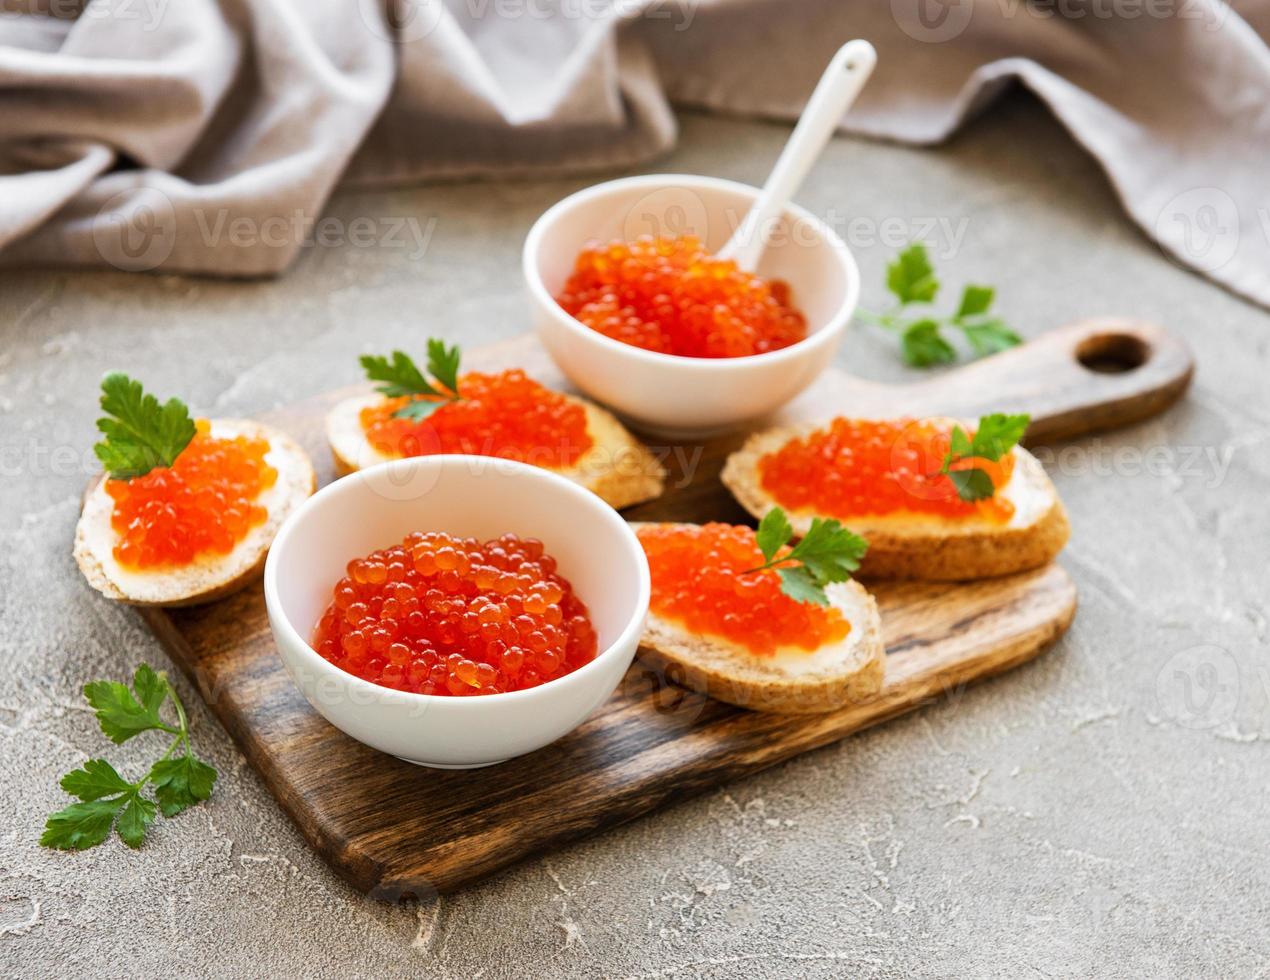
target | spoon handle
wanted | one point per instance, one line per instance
(838, 87)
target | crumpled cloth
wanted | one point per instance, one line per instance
(205, 136)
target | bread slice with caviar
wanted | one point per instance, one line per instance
(1017, 521)
(143, 448)
(615, 466)
(837, 671)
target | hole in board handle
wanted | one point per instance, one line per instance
(1112, 353)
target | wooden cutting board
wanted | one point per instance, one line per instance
(396, 830)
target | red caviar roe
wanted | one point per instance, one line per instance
(439, 614)
(204, 504)
(861, 467)
(671, 295)
(698, 582)
(507, 414)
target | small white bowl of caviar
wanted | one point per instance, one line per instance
(456, 611)
(632, 301)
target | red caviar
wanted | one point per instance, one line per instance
(439, 614)
(507, 414)
(671, 295)
(699, 582)
(204, 504)
(861, 467)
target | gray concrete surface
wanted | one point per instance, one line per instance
(1080, 816)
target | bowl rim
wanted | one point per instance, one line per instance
(831, 328)
(628, 636)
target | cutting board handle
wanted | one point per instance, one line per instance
(1085, 377)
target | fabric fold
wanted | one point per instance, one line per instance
(205, 136)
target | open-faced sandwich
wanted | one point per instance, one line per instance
(936, 500)
(508, 415)
(186, 509)
(741, 617)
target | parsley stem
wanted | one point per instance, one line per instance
(775, 562)
(184, 735)
(180, 711)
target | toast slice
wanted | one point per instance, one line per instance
(790, 681)
(617, 468)
(926, 546)
(207, 579)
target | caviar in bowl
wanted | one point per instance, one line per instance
(664, 393)
(469, 497)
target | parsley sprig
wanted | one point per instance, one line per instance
(141, 433)
(107, 799)
(911, 279)
(996, 435)
(827, 553)
(399, 377)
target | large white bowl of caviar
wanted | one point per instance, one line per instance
(456, 611)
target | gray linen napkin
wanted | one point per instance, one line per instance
(205, 135)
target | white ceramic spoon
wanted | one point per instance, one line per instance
(837, 89)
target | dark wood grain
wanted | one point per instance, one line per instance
(393, 829)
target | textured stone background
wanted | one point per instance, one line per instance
(1075, 817)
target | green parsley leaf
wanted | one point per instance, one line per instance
(801, 586)
(443, 363)
(773, 531)
(151, 687)
(998, 434)
(140, 433)
(975, 300)
(399, 377)
(911, 277)
(923, 345)
(97, 779)
(133, 821)
(107, 799)
(420, 408)
(827, 553)
(119, 713)
(972, 484)
(81, 825)
(180, 783)
(989, 336)
(995, 436)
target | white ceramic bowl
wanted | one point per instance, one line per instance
(688, 397)
(466, 495)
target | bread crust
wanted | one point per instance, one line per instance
(760, 683)
(617, 468)
(212, 580)
(932, 550)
